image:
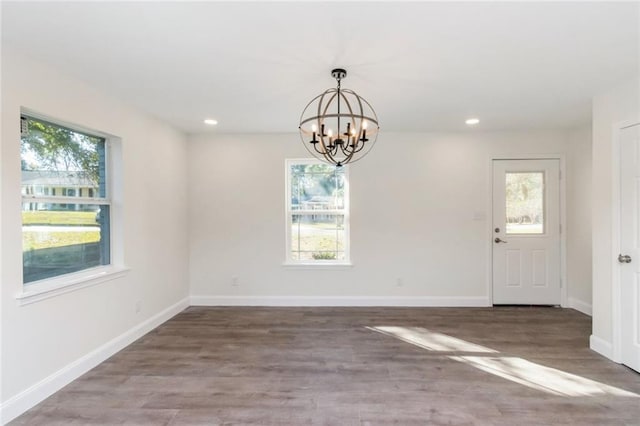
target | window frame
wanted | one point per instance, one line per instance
(45, 288)
(289, 212)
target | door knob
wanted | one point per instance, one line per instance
(624, 258)
(498, 240)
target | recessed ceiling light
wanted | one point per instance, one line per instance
(472, 121)
(210, 121)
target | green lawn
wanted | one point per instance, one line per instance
(34, 240)
(58, 218)
(41, 240)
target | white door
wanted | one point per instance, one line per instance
(629, 258)
(526, 232)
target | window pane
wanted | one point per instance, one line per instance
(317, 237)
(525, 203)
(317, 187)
(58, 161)
(63, 238)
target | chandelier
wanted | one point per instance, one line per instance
(338, 126)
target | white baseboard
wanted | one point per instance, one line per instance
(601, 346)
(28, 398)
(339, 301)
(580, 306)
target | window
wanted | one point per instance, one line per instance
(524, 202)
(317, 213)
(63, 232)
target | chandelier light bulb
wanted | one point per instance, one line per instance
(314, 128)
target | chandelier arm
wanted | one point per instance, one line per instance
(351, 161)
(327, 153)
(309, 150)
(348, 158)
(331, 158)
(324, 112)
(315, 147)
(312, 151)
(359, 147)
(323, 145)
(346, 151)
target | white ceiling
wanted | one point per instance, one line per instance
(423, 66)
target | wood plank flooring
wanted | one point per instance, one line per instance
(354, 366)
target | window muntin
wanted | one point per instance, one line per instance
(317, 213)
(64, 230)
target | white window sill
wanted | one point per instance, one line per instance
(318, 265)
(51, 287)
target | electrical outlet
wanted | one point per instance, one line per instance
(234, 281)
(138, 306)
(399, 282)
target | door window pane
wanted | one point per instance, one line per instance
(524, 202)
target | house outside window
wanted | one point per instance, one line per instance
(317, 208)
(62, 231)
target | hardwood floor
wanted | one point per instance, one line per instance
(355, 366)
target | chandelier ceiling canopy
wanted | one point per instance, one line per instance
(338, 126)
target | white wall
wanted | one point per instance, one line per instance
(48, 336)
(621, 103)
(413, 202)
(578, 226)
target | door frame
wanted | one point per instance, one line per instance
(616, 199)
(564, 300)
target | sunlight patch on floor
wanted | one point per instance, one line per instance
(546, 379)
(515, 369)
(430, 340)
